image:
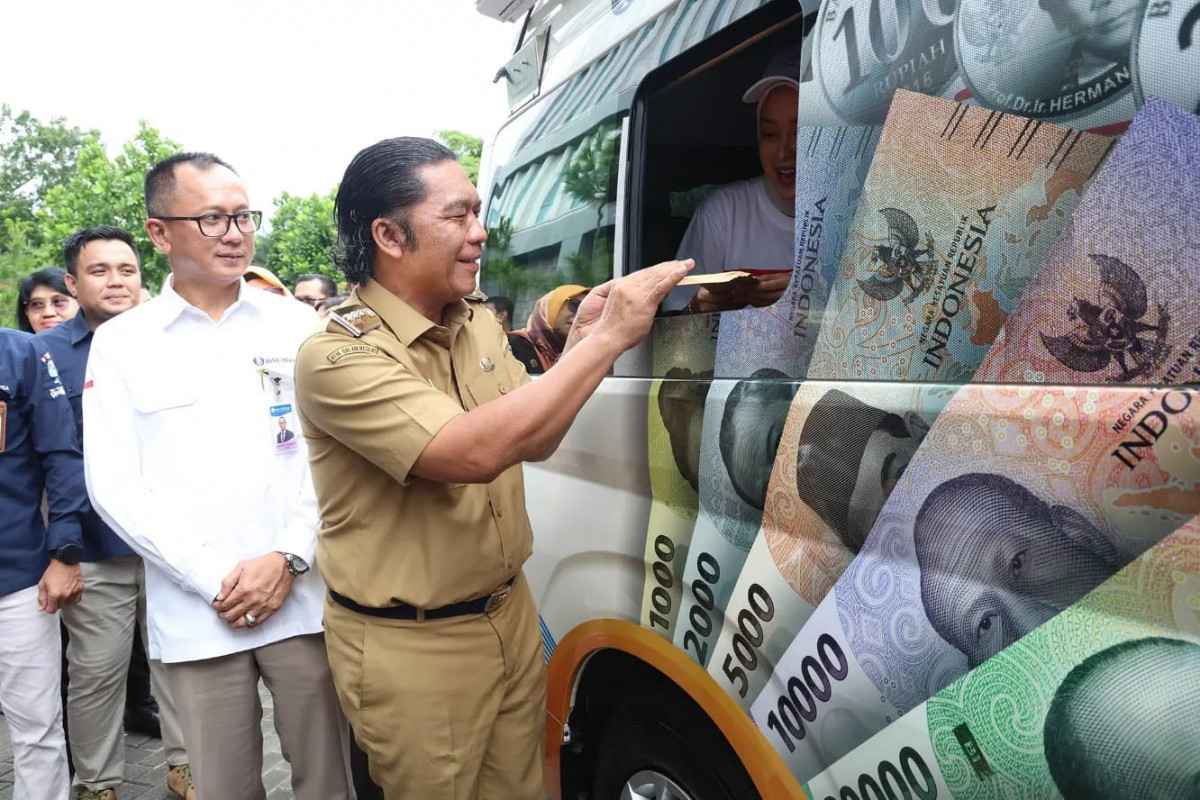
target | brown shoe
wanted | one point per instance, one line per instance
(84, 793)
(179, 783)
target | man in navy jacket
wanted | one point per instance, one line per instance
(39, 563)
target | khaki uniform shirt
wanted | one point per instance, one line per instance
(369, 404)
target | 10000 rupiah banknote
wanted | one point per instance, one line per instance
(1101, 702)
(674, 434)
(957, 214)
(1020, 501)
(743, 424)
(1117, 300)
(844, 446)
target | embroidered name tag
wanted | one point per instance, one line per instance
(3, 423)
(356, 319)
(351, 349)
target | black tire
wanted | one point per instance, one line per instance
(674, 739)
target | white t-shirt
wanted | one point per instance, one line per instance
(736, 227)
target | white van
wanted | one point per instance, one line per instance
(624, 115)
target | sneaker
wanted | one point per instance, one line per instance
(179, 783)
(84, 793)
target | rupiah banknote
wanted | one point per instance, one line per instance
(1103, 701)
(1101, 470)
(676, 416)
(1068, 63)
(843, 449)
(1030, 494)
(743, 425)
(1117, 301)
(959, 209)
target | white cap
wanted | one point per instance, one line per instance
(782, 70)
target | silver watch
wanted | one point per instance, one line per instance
(295, 564)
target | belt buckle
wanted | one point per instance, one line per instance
(496, 599)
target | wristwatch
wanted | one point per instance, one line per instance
(295, 564)
(69, 554)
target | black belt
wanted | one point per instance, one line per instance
(479, 605)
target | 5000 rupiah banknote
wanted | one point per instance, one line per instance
(1101, 702)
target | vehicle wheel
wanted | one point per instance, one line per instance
(654, 751)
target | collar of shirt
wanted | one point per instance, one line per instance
(405, 321)
(170, 305)
(78, 329)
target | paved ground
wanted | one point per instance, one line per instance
(146, 769)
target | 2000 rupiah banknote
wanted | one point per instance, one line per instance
(1101, 702)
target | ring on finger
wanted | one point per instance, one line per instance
(250, 619)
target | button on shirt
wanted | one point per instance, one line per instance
(181, 417)
(369, 406)
(38, 450)
(68, 345)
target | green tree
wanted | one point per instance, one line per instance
(34, 156)
(468, 148)
(303, 233)
(18, 257)
(591, 178)
(107, 191)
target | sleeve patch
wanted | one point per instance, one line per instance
(351, 349)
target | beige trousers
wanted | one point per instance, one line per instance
(451, 709)
(221, 713)
(101, 626)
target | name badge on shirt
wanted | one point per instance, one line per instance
(283, 423)
(284, 429)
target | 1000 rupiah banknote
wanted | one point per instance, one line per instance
(958, 212)
(1101, 702)
(676, 412)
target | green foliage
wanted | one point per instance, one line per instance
(500, 272)
(106, 191)
(589, 269)
(34, 156)
(303, 232)
(18, 257)
(591, 177)
(468, 148)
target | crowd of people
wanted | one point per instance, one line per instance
(257, 480)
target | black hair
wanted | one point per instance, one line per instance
(502, 303)
(52, 277)
(382, 180)
(160, 185)
(75, 243)
(326, 282)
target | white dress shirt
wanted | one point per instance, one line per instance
(181, 420)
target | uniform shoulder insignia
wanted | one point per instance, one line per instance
(351, 349)
(476, 296)
(356, 319)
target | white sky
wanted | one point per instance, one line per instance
(319, 80)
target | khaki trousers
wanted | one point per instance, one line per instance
(101, 626)
(221, 714)
(450, 709)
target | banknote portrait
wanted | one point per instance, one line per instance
(1051, 58)
(997, 561)
(681, 404)
(1125, 723)
(849, 459)
(751, 427)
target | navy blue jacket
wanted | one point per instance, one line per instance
(38, 450)
(68, 345)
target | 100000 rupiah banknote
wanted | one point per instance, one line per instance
(1101, 702)
(676, 417)
(844, 446)
(1020, 500)
(959, 210)
(743, 423)
(1118, 301)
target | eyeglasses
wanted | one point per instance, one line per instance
(312, 301)
(60, 302)
(214, 225)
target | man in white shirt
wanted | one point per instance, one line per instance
(181, 407)
(748, 225)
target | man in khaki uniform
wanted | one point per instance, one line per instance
(417, 419)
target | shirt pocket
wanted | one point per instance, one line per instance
(488, 386)
(160, 397)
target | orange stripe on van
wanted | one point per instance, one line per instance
(765, 767)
